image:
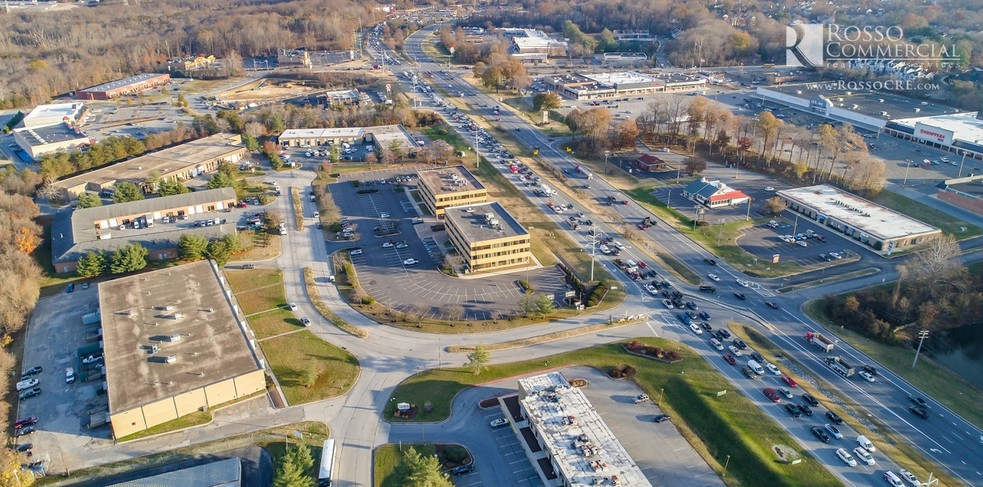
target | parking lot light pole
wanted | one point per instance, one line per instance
(593, 250)
(748, 217)
(903, 183)
(922, 335)
(607, 154)
(961, 165)
(725, 467)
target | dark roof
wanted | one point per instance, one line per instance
(701, 187)
(88, 215)
(227, 472)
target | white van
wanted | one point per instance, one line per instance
(756, 367)
(866, 444)
(716, 344)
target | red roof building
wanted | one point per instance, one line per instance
(648, 162)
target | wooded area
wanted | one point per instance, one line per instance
(49, 53)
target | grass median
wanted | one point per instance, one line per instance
(932, 378)
(309, 368)
(920, 211)
(717, 426)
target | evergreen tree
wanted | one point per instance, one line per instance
(169, 187)
(218, 252)
(132, 257)
(192, 247)
(88, 200)
(127, 191)
(91, 264)
(478, 359)
(293, 466)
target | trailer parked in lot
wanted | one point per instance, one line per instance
(91, 318)
(820, 341)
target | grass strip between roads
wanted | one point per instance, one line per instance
(717, 426)
(298, 206)
(887, 443)
(315, 296)
(932, 378)
(546, 338)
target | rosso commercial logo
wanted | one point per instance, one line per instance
(815, 44)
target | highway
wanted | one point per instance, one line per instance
(946, 438)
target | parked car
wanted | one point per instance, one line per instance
(410, 262)
(23, 431)
(495, 423)
(25, 421)
(70, 288)
(30, 393)
(661, 418)
(32, 371)
(667, 304)
(462, 469)
(69, 375)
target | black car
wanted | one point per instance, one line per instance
(706, 326)
(740, 344)
(691, 305)
(772, 304)
(740, 296)
(708, 289)
(704, 315)
(920, 412)
(462, 469)
(757, 357)
(819, 433)
(710, 261)
(717, 334)
(725, 333)
(793, 410)
(870, 370)
(805, 409)
(809, 399)
(30, 393)
(24, 431)
(32, 371)
(661, 418)
(70, 288)
(917, 401)
(834, 417)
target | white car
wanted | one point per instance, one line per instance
(386, 245)
(696, 328)
(909, 478)
(834, 431)
(846, 457)
(383, 215)
(864, 442)
(801, 243)
(605, 249)
(714, 277)
(743, 282)
(771, 368)
(495, 423)
(863, 455)
(410, 262)
(734, 350)
(667, 304)
(356, 252)
(618, 245)
(769, 188)
(69, 375)
(293, 306)
(91, 359)
(866, 375)
(651, 289)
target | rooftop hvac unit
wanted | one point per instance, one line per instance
(170, 359)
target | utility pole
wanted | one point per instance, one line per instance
(748, 217)
(477, 154)
(607, 153)
(922, 335)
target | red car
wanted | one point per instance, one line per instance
(730, 359)
(788, 380)
(771, 394)
(643, 265)
(28, 421)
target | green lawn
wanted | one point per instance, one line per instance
(261, 299)
(943, 385)
(196, 418)
(387, 458)
(244, 280)
(920, 211)
(272, 323)
(718, 426)
(292, 354)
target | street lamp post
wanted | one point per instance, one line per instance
(922, 335)
(748, 217)
(669, 199)
(593, 250)
(607, 154)
(661, 390)
(961, 165)
(725, 467)
(477, 151)
(905, 182)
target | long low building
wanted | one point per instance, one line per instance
(125, 86)
(177, 163)
(51, 128)
(880, 228)
(580, 448)
(488, 237)
(175, 343)
(380, 136)
(592, 86)
(447, 187)
(106, 228)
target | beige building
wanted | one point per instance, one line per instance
(451, 186)
(178, 163)
(175, 343)
(487, 237)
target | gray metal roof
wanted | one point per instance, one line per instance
(150, 205)
(221, 473)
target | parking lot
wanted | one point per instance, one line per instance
(764, 241)
(56, 337)
(405, 274)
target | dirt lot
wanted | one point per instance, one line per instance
(265, 89)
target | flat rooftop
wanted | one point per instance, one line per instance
(225, 473)
(619, 78)
(550, 402)
(454, 179)
(51, 134)
(486, 221)
(163, 161)
(54, 111)
(120, 83)
(183, 310)
(867, 102)
(341, 132)
(964, 126)
(857, 212)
